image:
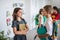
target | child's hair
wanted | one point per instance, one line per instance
(15, 12)
(48, 8)
(55, 8)
(40, 11)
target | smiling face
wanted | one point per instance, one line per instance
(42, 12)
(45, 13)
(55, 11)
(48, 10)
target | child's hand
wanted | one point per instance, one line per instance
(26, 30)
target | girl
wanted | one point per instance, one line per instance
(55, 17)
(19, 25)
(49, 24)
(41, 29)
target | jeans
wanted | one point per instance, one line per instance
(20, 37)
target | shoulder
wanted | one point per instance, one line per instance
(14, 21)
(40, 16)
(23, 19)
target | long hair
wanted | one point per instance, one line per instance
(48, 8)
(15, 12)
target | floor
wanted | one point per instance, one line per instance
(32, 33)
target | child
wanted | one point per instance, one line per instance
(55, 17)
(37, 21)
(19, 25)
(49, 24)
(41, 29)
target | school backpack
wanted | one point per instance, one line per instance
(41, 30)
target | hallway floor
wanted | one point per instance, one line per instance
(32, 33)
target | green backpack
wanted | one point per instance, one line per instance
(36, 19)
(41, 30)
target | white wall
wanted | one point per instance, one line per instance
(55, 3)
(4, 6)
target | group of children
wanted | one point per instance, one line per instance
(46, 21)
(47, 26)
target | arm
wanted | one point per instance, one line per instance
(26, 28)
(14, 26)
(18, 32)
(39, 21)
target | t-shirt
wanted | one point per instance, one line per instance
(55, 16)
(44, 17)
(49, 26)
(19, 24)
(40, 16)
